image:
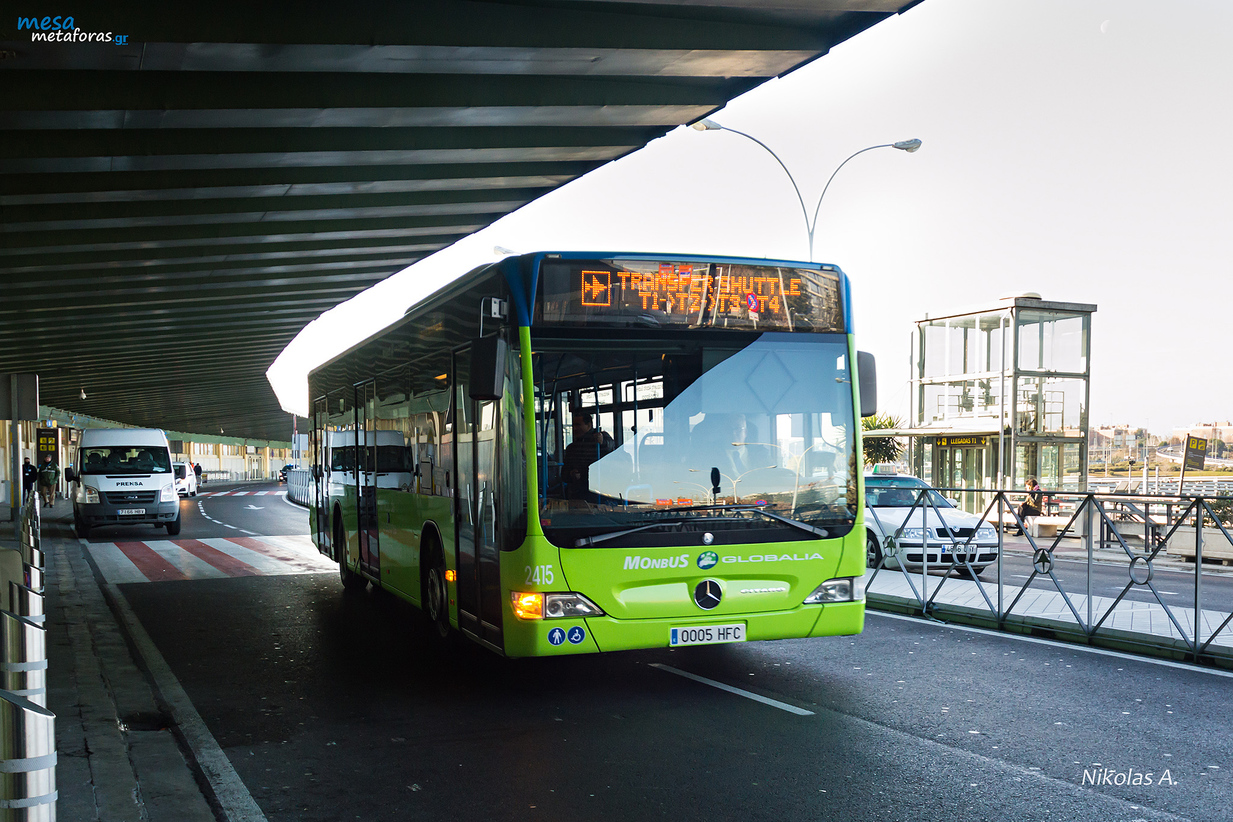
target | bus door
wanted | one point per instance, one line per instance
(478, 557)
(319, 468)
(366, 477)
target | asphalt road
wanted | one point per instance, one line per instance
(334, 707)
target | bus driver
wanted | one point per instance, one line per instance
(589, 444)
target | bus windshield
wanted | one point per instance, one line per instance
(714, 432)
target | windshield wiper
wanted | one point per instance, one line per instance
(795, 523)
(804, 526)
(588, 541)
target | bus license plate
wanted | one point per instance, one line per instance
(706, 635)
(131, 511)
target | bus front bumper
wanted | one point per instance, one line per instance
(595, 634)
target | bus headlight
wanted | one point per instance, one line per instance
(845, 589)
(91, 495)
(169, 494)
(530, 605)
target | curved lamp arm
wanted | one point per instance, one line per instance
(909, 146)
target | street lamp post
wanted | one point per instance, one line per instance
(909, 146)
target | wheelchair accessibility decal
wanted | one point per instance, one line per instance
(575, 635)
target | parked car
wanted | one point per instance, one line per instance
(282, 472)
(902, 501)
(186, 479)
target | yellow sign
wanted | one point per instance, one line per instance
(956, 442)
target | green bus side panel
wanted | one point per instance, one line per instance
(401, 517)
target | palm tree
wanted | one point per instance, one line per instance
(880, 449)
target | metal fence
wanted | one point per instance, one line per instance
(27, 728)
(1133, 533)
(300, 485)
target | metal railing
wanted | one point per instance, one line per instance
(300, 485)
(27, 728)
(1133, 533)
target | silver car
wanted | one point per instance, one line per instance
(912, 514)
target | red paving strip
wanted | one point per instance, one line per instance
(148, 562)
(263, 547)
(224, 562)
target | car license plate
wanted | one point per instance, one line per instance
(124, 512)
(706, 635)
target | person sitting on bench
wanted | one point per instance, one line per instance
(1031, 505)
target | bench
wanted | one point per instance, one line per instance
(1042, 526)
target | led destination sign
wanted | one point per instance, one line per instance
(721, 295)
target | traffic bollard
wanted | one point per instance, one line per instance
(27, 761)
(26, 602)
(23, 657)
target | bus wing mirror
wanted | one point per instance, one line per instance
(868, 370)
(317, 472)
(488, 355)
(70, 475)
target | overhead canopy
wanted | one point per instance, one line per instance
(178, 201)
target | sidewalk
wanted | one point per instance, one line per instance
(1072, 548)
(1131, 625)
(119, 756)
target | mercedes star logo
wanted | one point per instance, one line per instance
(708, 594)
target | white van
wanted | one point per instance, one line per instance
(123, 476)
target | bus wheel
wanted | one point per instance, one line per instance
(873, 552)
(436, 595)
(352, 582)
(83, 530)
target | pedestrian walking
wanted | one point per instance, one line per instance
(49, 475)
(29, 476)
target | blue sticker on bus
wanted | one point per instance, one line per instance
(576, 635)
(556, 636)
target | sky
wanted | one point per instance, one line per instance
(1073, 148)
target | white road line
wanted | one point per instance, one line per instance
(1147, 660)
(237, 803)
(774, 703)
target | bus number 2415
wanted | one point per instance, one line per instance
(539, 575)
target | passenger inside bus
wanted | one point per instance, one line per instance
(589, 445)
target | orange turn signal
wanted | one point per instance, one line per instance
(528, 606)
(451, 575)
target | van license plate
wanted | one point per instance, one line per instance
(706, 635)
(131, 512)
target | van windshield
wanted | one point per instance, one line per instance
(125, 459)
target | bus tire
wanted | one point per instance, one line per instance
(173, 527)
(435, 593)
(352, 582)
(83, 530)
(873, 551)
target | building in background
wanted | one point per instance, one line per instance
(999, 394)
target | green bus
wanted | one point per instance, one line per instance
(572, 453)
